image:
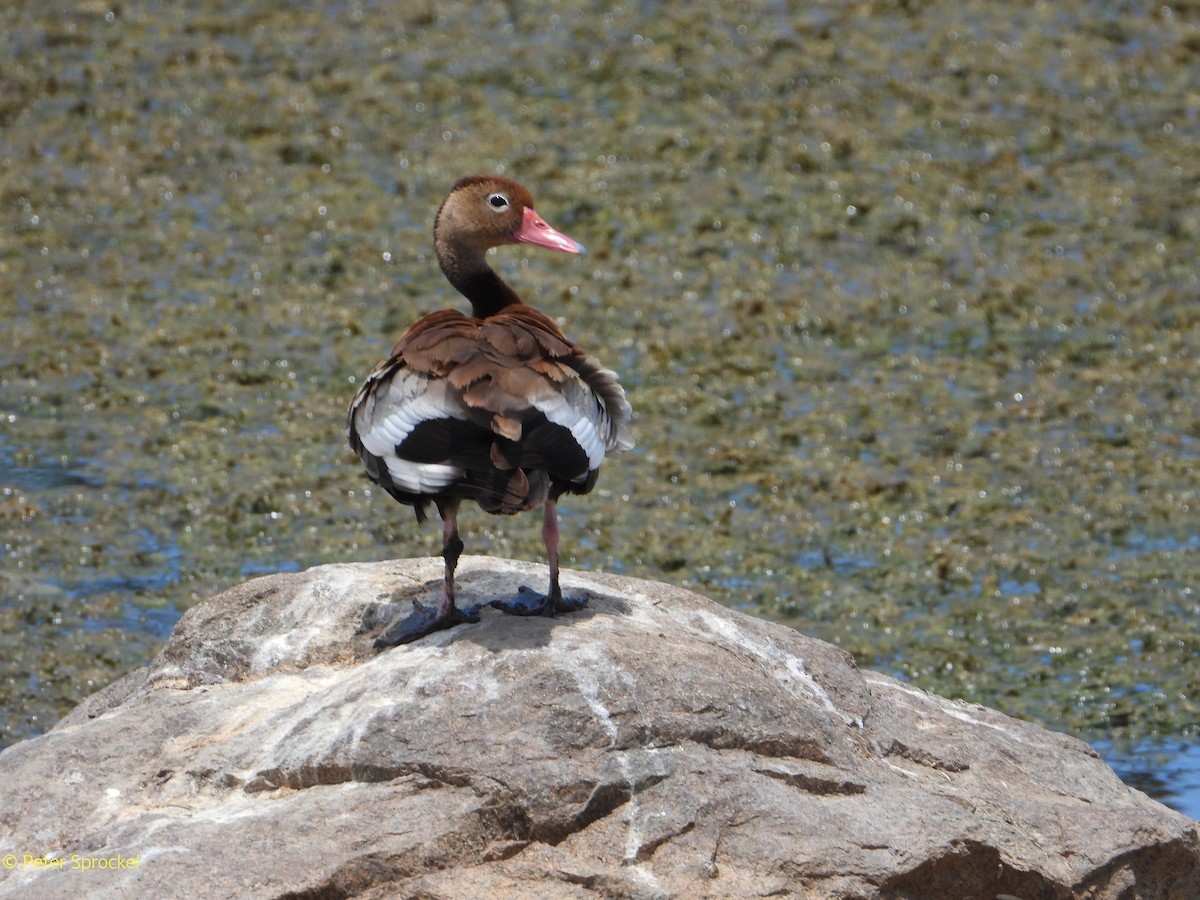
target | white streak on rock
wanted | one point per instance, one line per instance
(789, 670)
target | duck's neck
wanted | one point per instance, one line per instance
(476, 281)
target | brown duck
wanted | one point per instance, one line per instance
(498, 407)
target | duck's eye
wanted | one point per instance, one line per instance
(498, 201)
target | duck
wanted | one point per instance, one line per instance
(497, 406)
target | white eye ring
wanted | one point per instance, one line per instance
(498, 202)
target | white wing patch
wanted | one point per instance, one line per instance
(558, 409)
(594, 410)
(419, 478)
(388, 416)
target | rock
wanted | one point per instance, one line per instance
(654, 745)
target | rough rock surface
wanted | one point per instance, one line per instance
(654, 745)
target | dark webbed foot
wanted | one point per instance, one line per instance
(422, 621)
(530, 603)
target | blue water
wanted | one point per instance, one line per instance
(1167, 770)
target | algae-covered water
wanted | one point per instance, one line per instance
(904, 295)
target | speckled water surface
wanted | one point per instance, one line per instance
(905, 295)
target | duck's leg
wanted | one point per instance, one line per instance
(423, 620)
(528, 603)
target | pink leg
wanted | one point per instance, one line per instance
(423, 620)
(452, 547)
(550, 537)
(528, 603)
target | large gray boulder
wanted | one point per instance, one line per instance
(654, 745)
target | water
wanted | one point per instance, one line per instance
(904, 298)
(1168, 771)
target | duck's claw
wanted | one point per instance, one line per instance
(424, 620)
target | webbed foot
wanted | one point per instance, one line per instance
(530, 603)
(424, 620)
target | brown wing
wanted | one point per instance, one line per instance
(504, 409)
